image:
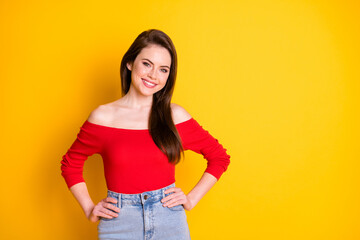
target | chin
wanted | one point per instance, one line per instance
(148, 93)
(151, 92)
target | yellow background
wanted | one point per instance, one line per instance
(276, 82)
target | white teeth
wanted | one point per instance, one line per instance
(151, 84)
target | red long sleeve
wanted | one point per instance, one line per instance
(132, 161)
(199, 140)
(89, 141)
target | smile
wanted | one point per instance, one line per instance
(148, 84)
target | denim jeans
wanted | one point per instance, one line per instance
(142, 217)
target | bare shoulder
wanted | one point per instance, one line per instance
(179, 114)
(100, 115)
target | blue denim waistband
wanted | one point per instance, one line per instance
(139, 198)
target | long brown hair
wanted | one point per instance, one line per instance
(161, 125)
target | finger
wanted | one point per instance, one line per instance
(101, 214)
(175, 204)
(110, 206)
(108, 212)
(174, 200)
(171, 196)
(111, 199)
(172, 189)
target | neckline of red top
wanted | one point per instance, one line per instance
(127, 129)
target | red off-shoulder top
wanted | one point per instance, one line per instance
(132, 161)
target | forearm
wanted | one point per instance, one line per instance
(206, 182)
(81, 193)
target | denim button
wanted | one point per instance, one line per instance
(146, 197)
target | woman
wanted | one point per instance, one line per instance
(141, 137)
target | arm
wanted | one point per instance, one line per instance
(80, 192)
(89, 141)
(93, 212)
(196, 138)
(206, 182)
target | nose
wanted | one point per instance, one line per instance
(152, 74)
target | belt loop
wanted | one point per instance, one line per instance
(119, 200)
(162, 192)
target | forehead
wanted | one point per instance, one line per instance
(156, 54)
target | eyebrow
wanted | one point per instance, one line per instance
(153, 63)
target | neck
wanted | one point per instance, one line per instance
(137, 101)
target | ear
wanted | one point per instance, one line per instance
(129, 66)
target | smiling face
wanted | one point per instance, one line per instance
(150, 70)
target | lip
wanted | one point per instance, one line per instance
(148, 81)
(147, 84)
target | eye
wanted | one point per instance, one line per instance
(164, 70)
(146, 64)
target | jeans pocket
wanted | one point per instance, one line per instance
(177, 208)
(106, 219)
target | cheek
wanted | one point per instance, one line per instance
(163, 77)
(140, 70)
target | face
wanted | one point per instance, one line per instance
(150, 70)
